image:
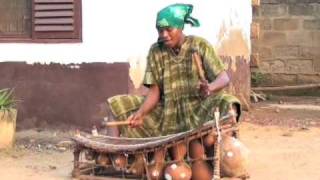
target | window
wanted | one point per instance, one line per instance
(40, 21)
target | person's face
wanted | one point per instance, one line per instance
(170, 37)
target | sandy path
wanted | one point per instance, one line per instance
(281, 153)
(27, 165)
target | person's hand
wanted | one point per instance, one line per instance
(204, 88)
(136, 119)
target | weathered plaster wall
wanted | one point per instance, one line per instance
(62, 96)
(289, 42)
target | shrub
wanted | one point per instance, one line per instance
(7, 100)
(257, 78)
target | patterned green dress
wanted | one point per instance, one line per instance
(181, 107)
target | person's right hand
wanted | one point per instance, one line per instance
(204, 88)
(136, 119)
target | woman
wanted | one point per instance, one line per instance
(177, 99)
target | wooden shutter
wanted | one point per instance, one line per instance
(56, 19)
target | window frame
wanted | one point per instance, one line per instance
(30, 38)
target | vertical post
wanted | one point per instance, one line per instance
(233, 113)
(255, 3)
(216, 160)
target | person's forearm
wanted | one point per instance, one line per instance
(151, 100)
(220, 82)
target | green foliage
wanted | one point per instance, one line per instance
(257, 78)
(7, 99)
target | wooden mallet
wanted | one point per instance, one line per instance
(117, 123)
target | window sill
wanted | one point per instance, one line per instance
(14, 40)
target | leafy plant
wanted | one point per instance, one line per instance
(257, 78)
(7, 100)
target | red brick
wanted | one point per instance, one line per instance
(286, 51)
(286, 24)
(299, 66)
(274, 38)
(273, 10)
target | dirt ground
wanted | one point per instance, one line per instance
(282, 135)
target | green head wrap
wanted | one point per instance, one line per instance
(176, 16)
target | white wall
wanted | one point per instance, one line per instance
(117, 30)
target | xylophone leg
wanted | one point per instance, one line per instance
(76, 168)
(145, 155)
